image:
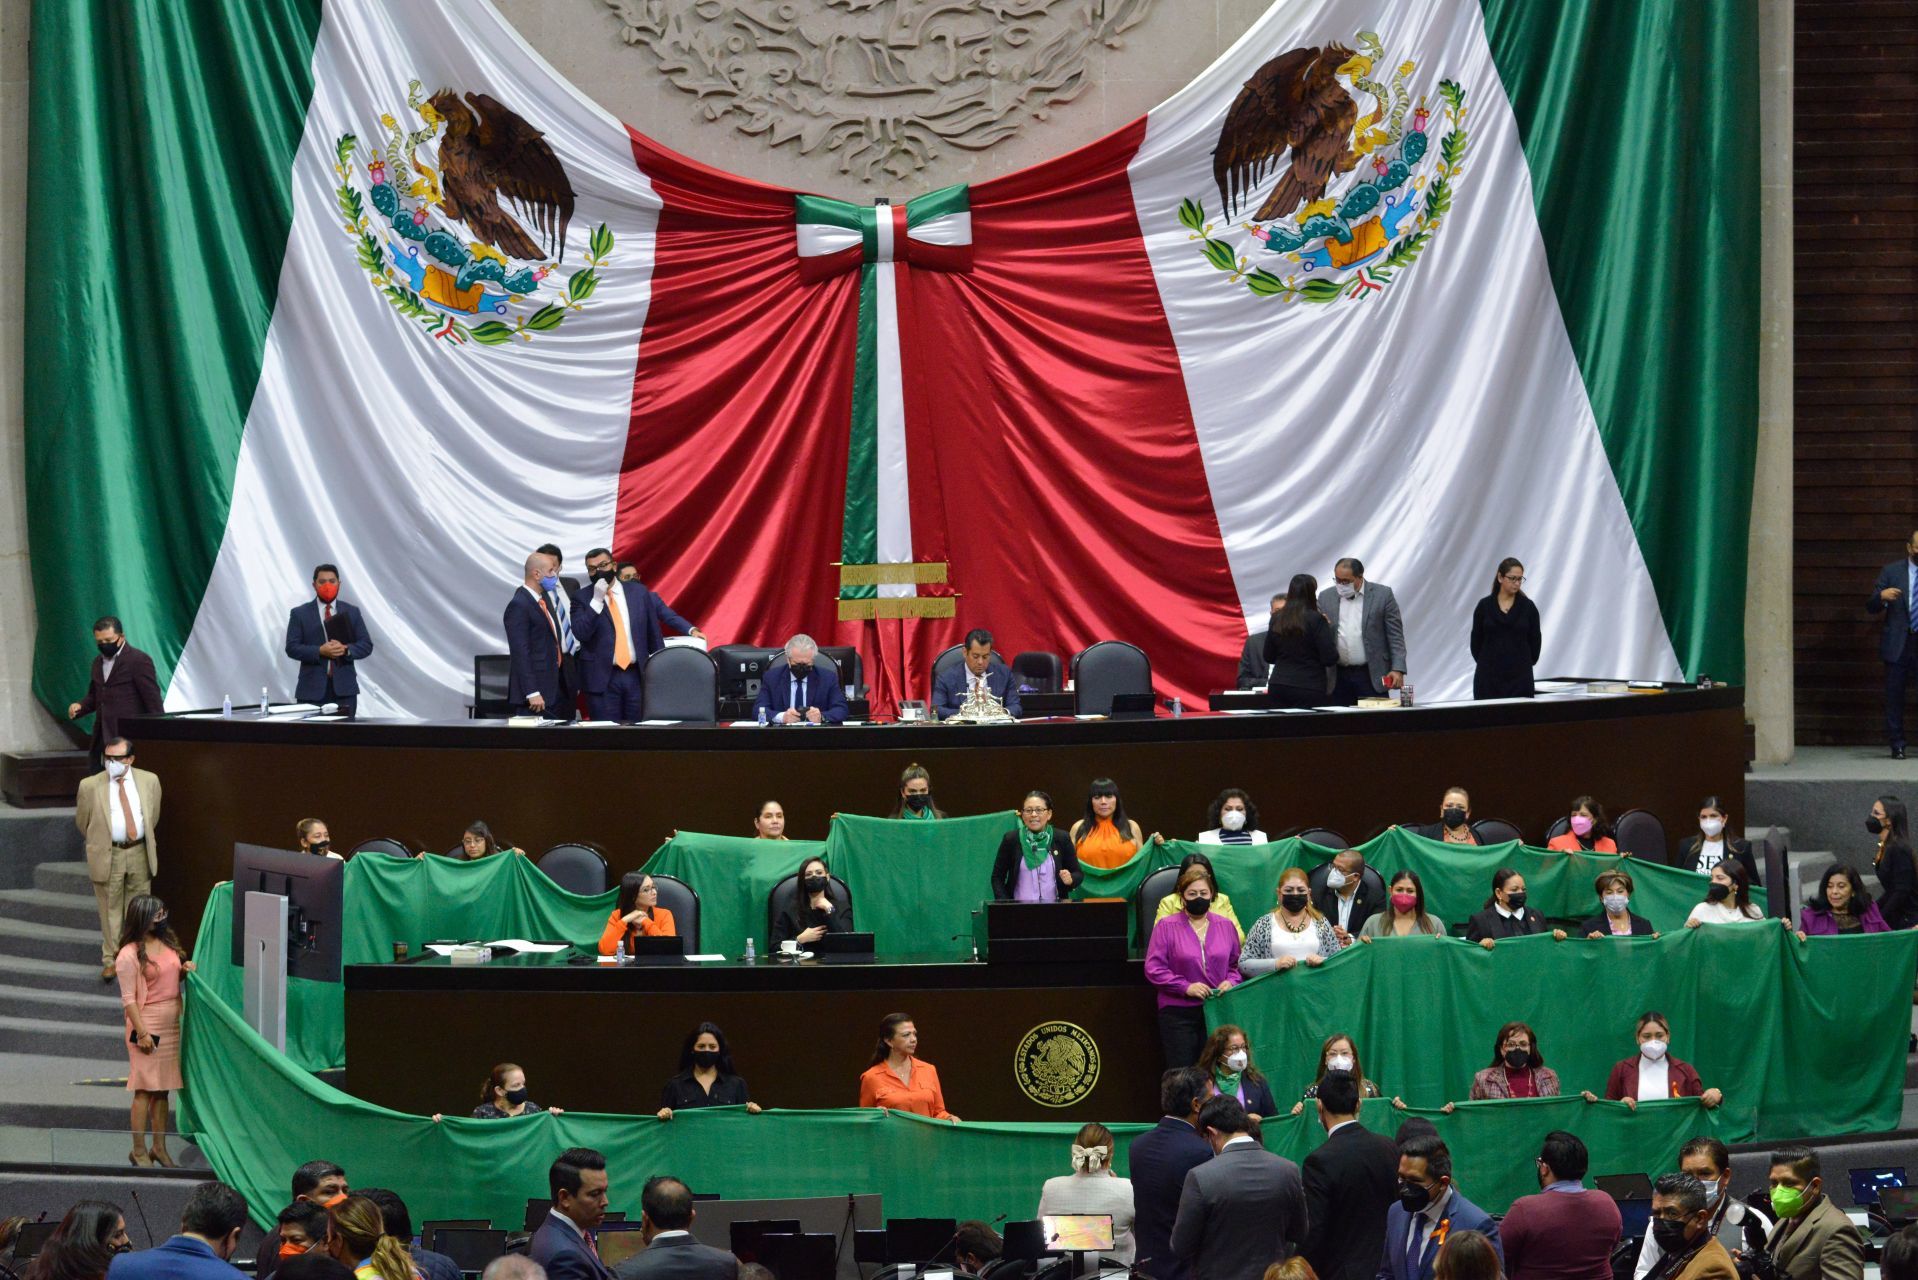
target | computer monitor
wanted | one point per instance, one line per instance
(803, 1256)
(920, 1239)
(470, 1248)
(846, 658)
(619, 1241)
(1634, 1218)
(742, 667)
(536, 1211)
(746, 1235)
(315, 913)
(1898, 1204)
(32, 1237)
(844, 944)
(1867, 1183)
(1077, 1232)
(1625, 1186)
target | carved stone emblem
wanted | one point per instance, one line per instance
(883, 83)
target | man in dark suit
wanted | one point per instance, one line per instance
(327, 665)
(1348, 897)
(671, 1253)
(1351, 1181)
(1430, 1207)
(1898, 645)
(1242, 1210)
(1370, 634)
(798, 691)
(1159, 1159)
(532, 643)
(559, 601)
(209, 1235)
(1254, 670)
(619, 625)
(982, 664)
(123, 684)
(564, 1243)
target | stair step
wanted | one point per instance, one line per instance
(62, 1039)
(57, 975)
(69, 910)
(50, 942)
(95, 1008)
(63, 877)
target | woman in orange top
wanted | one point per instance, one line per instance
(898, 1080)
(1105, 837)
(1590, 832)
(637, 915)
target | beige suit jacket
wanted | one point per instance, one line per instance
(96, 825)
(1821, 1244)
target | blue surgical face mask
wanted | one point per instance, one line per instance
(549, 583)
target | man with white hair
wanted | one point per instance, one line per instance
(513, 1266)
(797, 691)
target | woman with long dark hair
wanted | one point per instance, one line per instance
(1405, 915)
(1506, 639)
(83, 1245)
(1590, 831)
(478, 841)
(1897, 872)
(706, 1077)
(1300, 648)
(898, 1079)
(1713, 843)
(1728, 899)
(1227, 1063)
(1105, 837)
(915, 795)
(1841, 905)
(149, 964)
(814, 912)
(637, 914)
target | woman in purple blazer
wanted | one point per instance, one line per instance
(1841, 905)
(1192, 956)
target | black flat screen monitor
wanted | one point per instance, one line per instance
(1867, 1183)
(920, 1239)
(741, 668)
(1899, 1204)
(469, 1248)
(746, 1236)
(619, 1241)
(807, 1256)
(843, 944)
(315, 912)
(32, 1238)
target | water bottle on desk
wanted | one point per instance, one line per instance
(226, 706)
(1405, 691)
(762, 716)
(751, 958)
(1178, 708)
(619, 952)
(265, 708)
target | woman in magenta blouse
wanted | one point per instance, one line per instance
(1192, 955)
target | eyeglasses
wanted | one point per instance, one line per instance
(1516, 579)
(1035, 811)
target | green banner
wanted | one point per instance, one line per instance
(733, 876)
(915, 885)
(1804, 1038)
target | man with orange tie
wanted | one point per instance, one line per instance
(532, 642)
(618, 624)
(116, 812)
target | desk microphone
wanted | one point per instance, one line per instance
(143, 1216)
(919, 1268)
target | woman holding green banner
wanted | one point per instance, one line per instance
(1405, 915)
(915, 795)
(1518, 1068)
(1295, 932)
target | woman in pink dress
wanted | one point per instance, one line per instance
(149, 965)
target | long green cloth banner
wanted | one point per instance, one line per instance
(257, 1117)
(733, 877)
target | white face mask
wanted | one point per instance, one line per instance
(1346, 590)
(117, 769)
(1652, 1049)
(1335, 879)
(1712, 827)
(1237, 1059)
(1232, 819)
(1339, 1062)
(1616, 903)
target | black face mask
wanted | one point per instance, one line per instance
(1718, 892)
(1874, 826)
(108, 648)
(1515, 901)
(1293, 902)
(918, 801)
(1454, 817)
(705, 1057)
(1518, 1059)
(1197, 906)
(1414, 1197)
(605, 575)
(1669, 1236)
(815, 884)
(123, 1248)
(515, 1096)
(318, 846)
(800, 670)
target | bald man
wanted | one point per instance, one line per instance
(532, 642)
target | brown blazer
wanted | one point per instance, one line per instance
(1819, 1244)
(1711, 1262)
(132, 690)
(96, 824)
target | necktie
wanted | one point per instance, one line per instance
(325, 635)
(622, 639)
(567, 643)
(126, 812)
(555, 629)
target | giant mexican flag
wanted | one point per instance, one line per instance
(1428, 282)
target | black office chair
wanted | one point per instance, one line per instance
(1640, 833)
(786, 893)
(1495, 831)
(679, 898)
(1559, 827)
(492, 676)
(1326, 838)
(680, 682)
(575, 867)
(1103, 670)
(950, 657)
(383, 844)
(1041, 670)
(1146, 902)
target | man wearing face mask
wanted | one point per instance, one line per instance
(1351, 1182)
(1814, 1239)
(1242, 1210)
(116, 812)
(799, 691)
(122, 685)
(1254, 670)
(619, 624)
(1370, 634)
(1739, 1228)
(1681, 1230)
(1428, 1207)
(1347, 898)
(533, 641)
(209, 1236)
(1891, 595)
(328, 638)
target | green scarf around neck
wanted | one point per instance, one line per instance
(1037, 845)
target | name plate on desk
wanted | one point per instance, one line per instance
(1044, 932)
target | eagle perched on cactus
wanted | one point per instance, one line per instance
(1294, 103)
(489, 151)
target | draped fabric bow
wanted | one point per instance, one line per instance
(933, 230)
(1088, 1159)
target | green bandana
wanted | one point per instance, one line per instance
(1038, 845)
(1228, 1081)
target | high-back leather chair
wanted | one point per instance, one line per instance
(1106, 669)
(680, 682)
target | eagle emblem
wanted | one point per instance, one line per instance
(1343, 195)
(1056, 1064)
(470, 211)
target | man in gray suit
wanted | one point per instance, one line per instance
(1371, 636)
(671, 1253)
(1242, 1210)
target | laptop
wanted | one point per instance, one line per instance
(1898, 1204)
(33, 1237)
(651, 946)
(843, 944)
(1867, 1183)
(470, 1248)
(1076, 1232)
(619, 1241)
(1625, 1186)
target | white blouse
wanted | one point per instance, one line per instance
(1723, 913)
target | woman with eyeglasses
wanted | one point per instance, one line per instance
(1036, 863)
(637, 914)
(1505, 637)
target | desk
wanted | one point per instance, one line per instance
(420, 1037)
(251, 778)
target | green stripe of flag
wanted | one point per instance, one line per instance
(937, 204)
(159, 198)
(1639, 121)
(859, 541)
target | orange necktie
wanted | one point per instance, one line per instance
(622, 641)
(126, 810)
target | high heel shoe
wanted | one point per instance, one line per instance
(163, 1158)
(141, 1157)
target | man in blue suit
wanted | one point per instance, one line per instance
(618, 626)
(564, 1243)
(982, 666)
(532, 642)
(209, 1233)
(327, 665)
(1159, 1159)
(1430, 1208)
(1891, 595)
(799, 692)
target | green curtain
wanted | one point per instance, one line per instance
(733, 876)
(258, 1116)
(1774, 1022)
(916, 885)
